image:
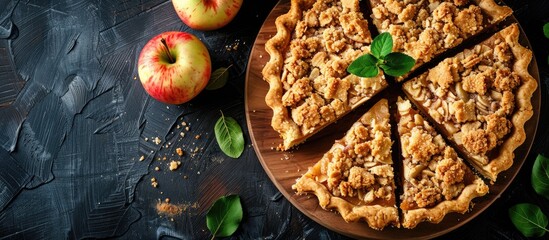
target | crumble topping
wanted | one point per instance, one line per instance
(424, 29)
(432, 170)
(427, 196)
(469, 21)
(464, 112)
(442, 75)
(479, 141)
(299, 91)
(355, 27)
(421, 146)
(359, 165)
(316, 86)
(477, 83)
(500, 126)
(476, 86)
(506, 80)
(450, 171)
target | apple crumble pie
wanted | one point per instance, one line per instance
(478, 100)
(356, 175)
(309, 86)
(424, 29)
(435, 181)
(481, 99)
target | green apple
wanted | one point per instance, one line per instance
(206, 14)
(174, 67)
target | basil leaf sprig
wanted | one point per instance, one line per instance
(529, 219)
(393, 63)
(540, 176)
(224, 216)
(229, 136)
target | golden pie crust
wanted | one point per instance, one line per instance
(435, 181)
(424, 29)
(356, 177)
(309, 87)
(481, 99)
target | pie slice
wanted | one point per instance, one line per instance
(435, 180)
(481, 99)
(309, 87)
(355, 176)
(424, 29)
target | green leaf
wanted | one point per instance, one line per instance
(546, 30)
(219, 78)
(364, 66)
(229, 136)
(540, 176)
(529, 219)
(397, 64)
(382, 45)
(224, 216)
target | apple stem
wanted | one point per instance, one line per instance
(167, 50)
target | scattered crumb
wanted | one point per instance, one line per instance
(154, 183)
(187, 128)
(157, 140)
(157, 168)
(166, 208)
(182, 134)
(179, 151)
(197, 136)
(171, 210)
(146, 139)
(233, 46)
(173, 165)
(184, 124)
(141, 158)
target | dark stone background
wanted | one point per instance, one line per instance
(74, 119)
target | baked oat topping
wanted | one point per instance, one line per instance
(424, 29)
(324, 37)
(356, 174)
(436, 181)
(474, 95)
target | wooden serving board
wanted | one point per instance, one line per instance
(283, 168)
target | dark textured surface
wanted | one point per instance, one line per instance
(74, 122)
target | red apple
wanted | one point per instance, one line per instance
(174, 67)
(206, 14)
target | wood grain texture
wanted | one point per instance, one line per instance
(284, 168)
